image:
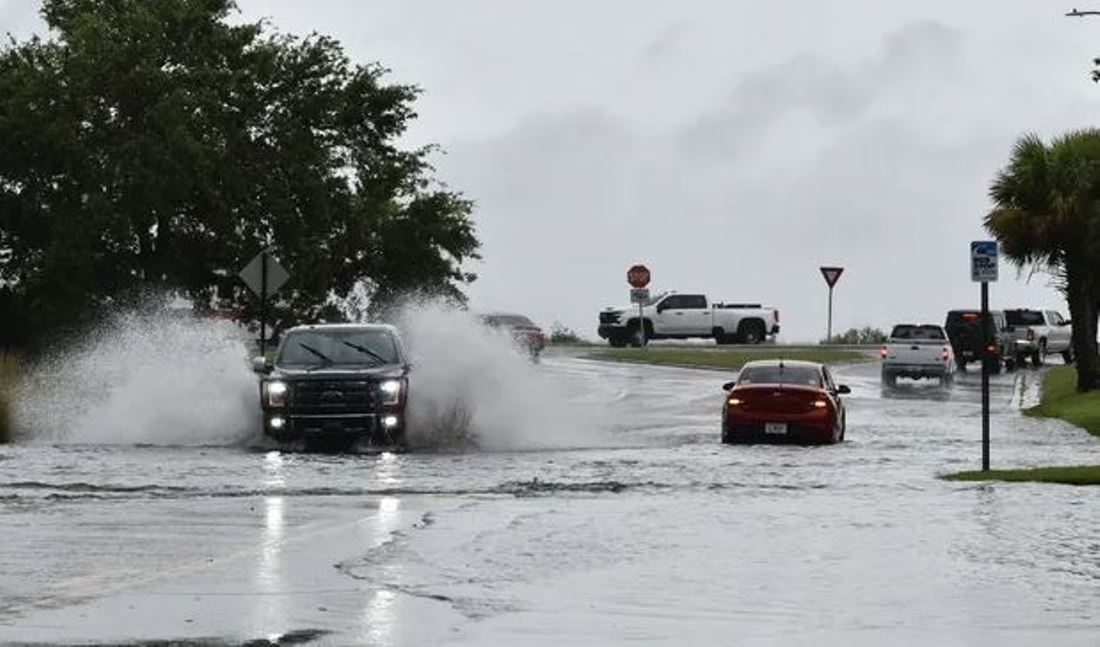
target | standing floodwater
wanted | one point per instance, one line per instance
(653, 532)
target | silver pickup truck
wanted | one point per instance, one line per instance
(918, 351)
(1037, 333)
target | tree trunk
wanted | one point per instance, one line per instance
(1083, 309)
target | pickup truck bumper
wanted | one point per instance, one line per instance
(608, 331)
(914, 371)
(286, 425)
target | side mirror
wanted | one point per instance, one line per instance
(728, 386)
(843, 389)
(261, 365)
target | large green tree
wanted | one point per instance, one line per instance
(1047, 214)
(160, 144)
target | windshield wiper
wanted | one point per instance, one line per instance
(365, 351)
(321, 356)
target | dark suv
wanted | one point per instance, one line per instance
(339, 382)
(964, 329)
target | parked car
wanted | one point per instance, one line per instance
(525, 333)
(968, 339)
(686, 316)
(918, 351)
(1038, 333)
(784, 401)
(336, 382)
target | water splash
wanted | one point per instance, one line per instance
(471, 385)
(153, 376)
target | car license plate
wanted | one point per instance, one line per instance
(775, 428)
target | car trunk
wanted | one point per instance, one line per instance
(777, 398)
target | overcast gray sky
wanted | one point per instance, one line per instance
(734, 147)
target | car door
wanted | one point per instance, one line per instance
(1060, 334)
(830, 386)
(670, 316)
(697, 319)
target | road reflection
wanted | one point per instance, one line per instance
(381, 618)
(270, 611)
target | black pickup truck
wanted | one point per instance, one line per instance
(336, 382)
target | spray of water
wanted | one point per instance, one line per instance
(153, 377)
(472, 386)
(144, 377)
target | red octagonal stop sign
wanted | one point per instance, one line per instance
(638, 276)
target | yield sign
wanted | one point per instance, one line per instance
(254, 277)
(832, 274)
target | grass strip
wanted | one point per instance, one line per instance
(723, 358)
(1074, 475)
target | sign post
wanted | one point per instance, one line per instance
(638, 277)
(832, 275)
(983, 269)
(264, 276)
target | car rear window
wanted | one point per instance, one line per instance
(963, 317)
(1024, 318)
(777, 374)
(906, 331)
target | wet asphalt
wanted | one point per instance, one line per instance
(635, 525)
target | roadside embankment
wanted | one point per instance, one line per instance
(9, 371)
(1059, 399)
(722, 358)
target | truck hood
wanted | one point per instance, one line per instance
(334, 372)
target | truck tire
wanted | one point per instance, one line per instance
(1037, 356)
(1067, 356)
(962, 366)
(617, 341)
(889, 379)
(634, 335)
(721, 338)
(751, 331)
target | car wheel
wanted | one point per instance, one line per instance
(962, 367)
(889, 380)
(634, 334)
(1067, 356)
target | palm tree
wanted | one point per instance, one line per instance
(1046, 215)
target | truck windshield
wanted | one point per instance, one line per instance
(917, 333)
(802, 375)
(338, 348)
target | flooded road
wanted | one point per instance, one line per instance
(636, 526)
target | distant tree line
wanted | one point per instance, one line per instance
(159, 145)
(858, 337)
(1046, 215)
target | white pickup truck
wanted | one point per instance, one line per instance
(684, 316)
(918, 351)
(1038, 333)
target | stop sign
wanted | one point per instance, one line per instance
(638, 276)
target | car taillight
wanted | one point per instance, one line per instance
(820, 404)
(776, 316)
(884, 352)
(735, 402)
(945, 354)
(1030, 334)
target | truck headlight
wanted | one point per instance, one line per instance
(275, 393)
(391, 391)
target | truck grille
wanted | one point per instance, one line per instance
(324, 396)
(610, 317)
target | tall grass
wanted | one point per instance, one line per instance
(9, 371)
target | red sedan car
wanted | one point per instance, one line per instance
(783, 401)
